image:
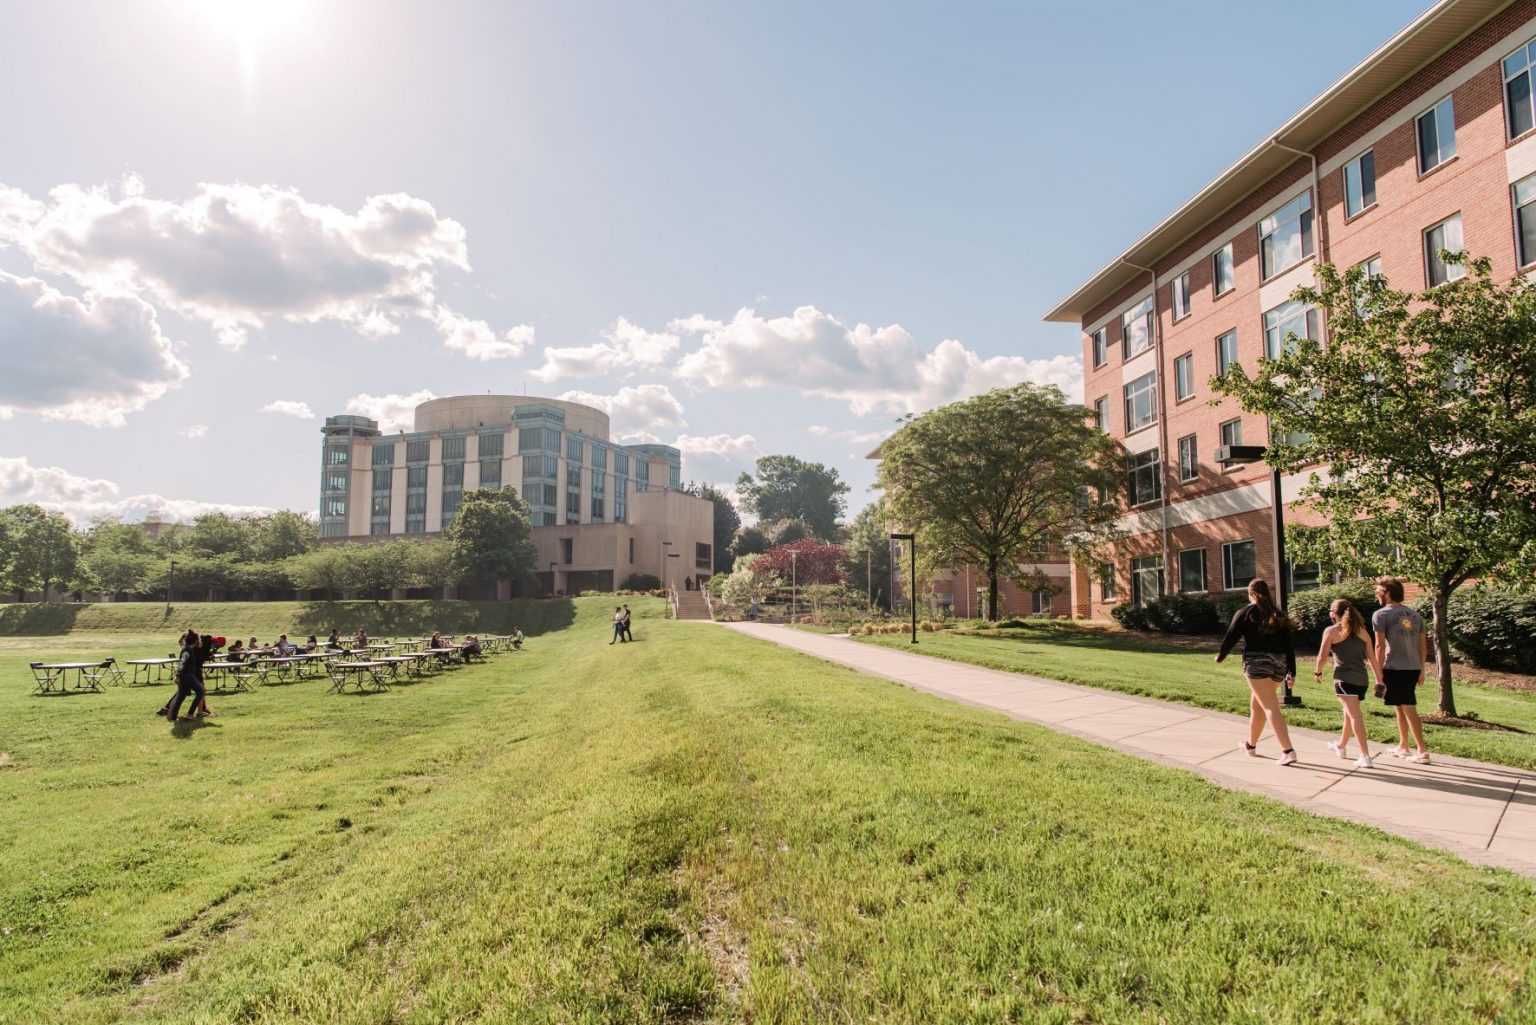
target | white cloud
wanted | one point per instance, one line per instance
(740, 448)
(93, 360)
(857, 437)
(872, 369)
(393, 412)
(625, 346)
(638, 438)
(634, 409)
(236, 256)
(194, 431)
(84, 498)
(288, 407)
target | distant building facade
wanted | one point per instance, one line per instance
(601, 511)
(1428, 144)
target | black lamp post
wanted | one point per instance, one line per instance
(170, 587)
(1255, 454)
(552, 579)
(911, 540)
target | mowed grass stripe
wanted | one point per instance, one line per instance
(696, 827)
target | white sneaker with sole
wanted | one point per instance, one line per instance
(1287, 758)
(1364, 762)
(1422, 758)
(1399, 752)
(1248, 749)
(1338, 749)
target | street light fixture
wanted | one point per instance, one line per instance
(794, 593)
(170, 587)
(1244, 454)
(911, 540)
(666, 567)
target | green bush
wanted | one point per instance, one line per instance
(1309, 609)
(641, 582)
(1491, 627)
(1131, 616)
(1227, 606)
(1015, 622)
(1182, 614)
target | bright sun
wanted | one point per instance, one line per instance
(252, 23)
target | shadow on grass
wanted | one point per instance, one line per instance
(1100, 641)
(391, 618)
(39, 619)
(182, 729)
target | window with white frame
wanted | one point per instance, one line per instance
(1437, 135)
(1181, 296)
(1184, 376)
(1525, 219)
(1192, 570)
(1520, 116)
(1146, 578)
(1107, 582)
(1223, 272)
(1136, 328)
(1040, 603)
(1100, 347)
(1360, 183)
(1101, 412)
(1445, 236)
(1286, 322)
(1285, 236)
(1238, 564)
(1232, 432)
(1189, 459)
(1141, 402)
(1144, 477)
(1226, 352)
(1370, 270)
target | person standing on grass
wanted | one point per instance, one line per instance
(618, 624)
(1350, 645)
(628, 634)
(1269, 659)
(1402, 648)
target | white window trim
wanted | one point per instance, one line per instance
(1102, 334)
(1174, 293)
(1190, 356)
(1259, 227)
(1344, 180)
(1205, 571)
(1232, 257)
(1196, 476)
(1426, 257)
(1226, 563)
(1418, 149)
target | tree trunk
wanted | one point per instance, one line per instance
(1442, 606)
(992, 588)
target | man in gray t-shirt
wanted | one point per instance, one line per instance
(1402, 648)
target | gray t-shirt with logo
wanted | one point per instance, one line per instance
(1402, 627)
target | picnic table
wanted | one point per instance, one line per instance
(54, 676)
(447, 655)
(284, 666)
(233, 674)
(364, 676)
(154, 670)
(415, 664)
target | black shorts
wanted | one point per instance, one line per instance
(1348, 690)
(1401, 686)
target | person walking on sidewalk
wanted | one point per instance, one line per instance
(1402, 648)
(1350, 645)
(1269, 659)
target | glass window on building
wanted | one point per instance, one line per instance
(1226, 352)
(1189, 459)
(1223, 271)
(1443, 237)
(1305, 576)
(1101, 412)
(1192, 570)
(334, 508)
(1437, 135)
(333, 529)
(453, 449)
(1285, 236)
(1144, 477)
(1180, 297)
(572, 494)
(1370, 270)
(534, 439)
(574, 448)
(337, 455)
(1040, 603)
(1287, 322)
(1100, 347)
(621, 464)
(418, 451)
(1136, 328)
(492, 446)
(599, 456)
(642, 474)
(1107, 590)
(383, 480)
(1360, 183)
(335, 480)
(1239, 564)
(1146, 578)
(384, 454)
(453, 475)
(1518, 110)
(451, 505)
(490, 474)
(1141, 402)
(1232, 432)
(1184, 376)
(621, 502)
(675, 478)
(1525, 219)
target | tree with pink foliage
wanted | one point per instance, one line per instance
(815, 562)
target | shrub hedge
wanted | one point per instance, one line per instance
(1131, 616)
(1491, 627)
(1182, 614)
(1310, 608)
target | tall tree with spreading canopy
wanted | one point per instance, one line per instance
(786, 487)
(489, 538)
(993, 479)
(867, 567)
(1419, 415)
(43, 550)
(727, 521)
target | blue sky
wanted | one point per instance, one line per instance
(212, 209)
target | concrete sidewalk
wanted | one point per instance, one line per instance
(1483, 813)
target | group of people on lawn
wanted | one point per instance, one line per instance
(1394, 650)
(621, 631)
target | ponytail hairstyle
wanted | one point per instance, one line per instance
(1271, 619)
(1349, 617)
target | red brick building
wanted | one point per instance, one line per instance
(1428, 144)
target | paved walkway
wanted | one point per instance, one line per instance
(1484, 813)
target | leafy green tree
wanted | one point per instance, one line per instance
(117, 558)
(988, 479)
(374, 569)
(489, 538)
(324, 569)
(749, 540)
(788, 531)
(42, 550)
(431, 565)
(282, 535)
(867, 567)
(727, 522)
(786, 487)
(1419, 416)
(222, 535)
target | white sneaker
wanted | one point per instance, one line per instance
(1338, 749)
(1399, 752)
(1364, 762)
(1287, 758)
(1248, 749)
(1422, 758)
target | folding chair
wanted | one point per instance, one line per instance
(113, 673)
(42, 678)
(97, 673)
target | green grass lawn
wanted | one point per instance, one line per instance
(699, 827)
(1173, 672)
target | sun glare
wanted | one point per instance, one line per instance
(252, 24)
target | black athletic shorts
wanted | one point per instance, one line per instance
(1401, 686)
(1348, 690)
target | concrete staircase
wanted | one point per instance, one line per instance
(692, 605)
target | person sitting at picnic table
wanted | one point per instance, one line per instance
(517, 638)
(334, 641)
(311, 645)
(236, 652)
(437, 640)
(471, 647)
(361, 640)
(283, 647)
